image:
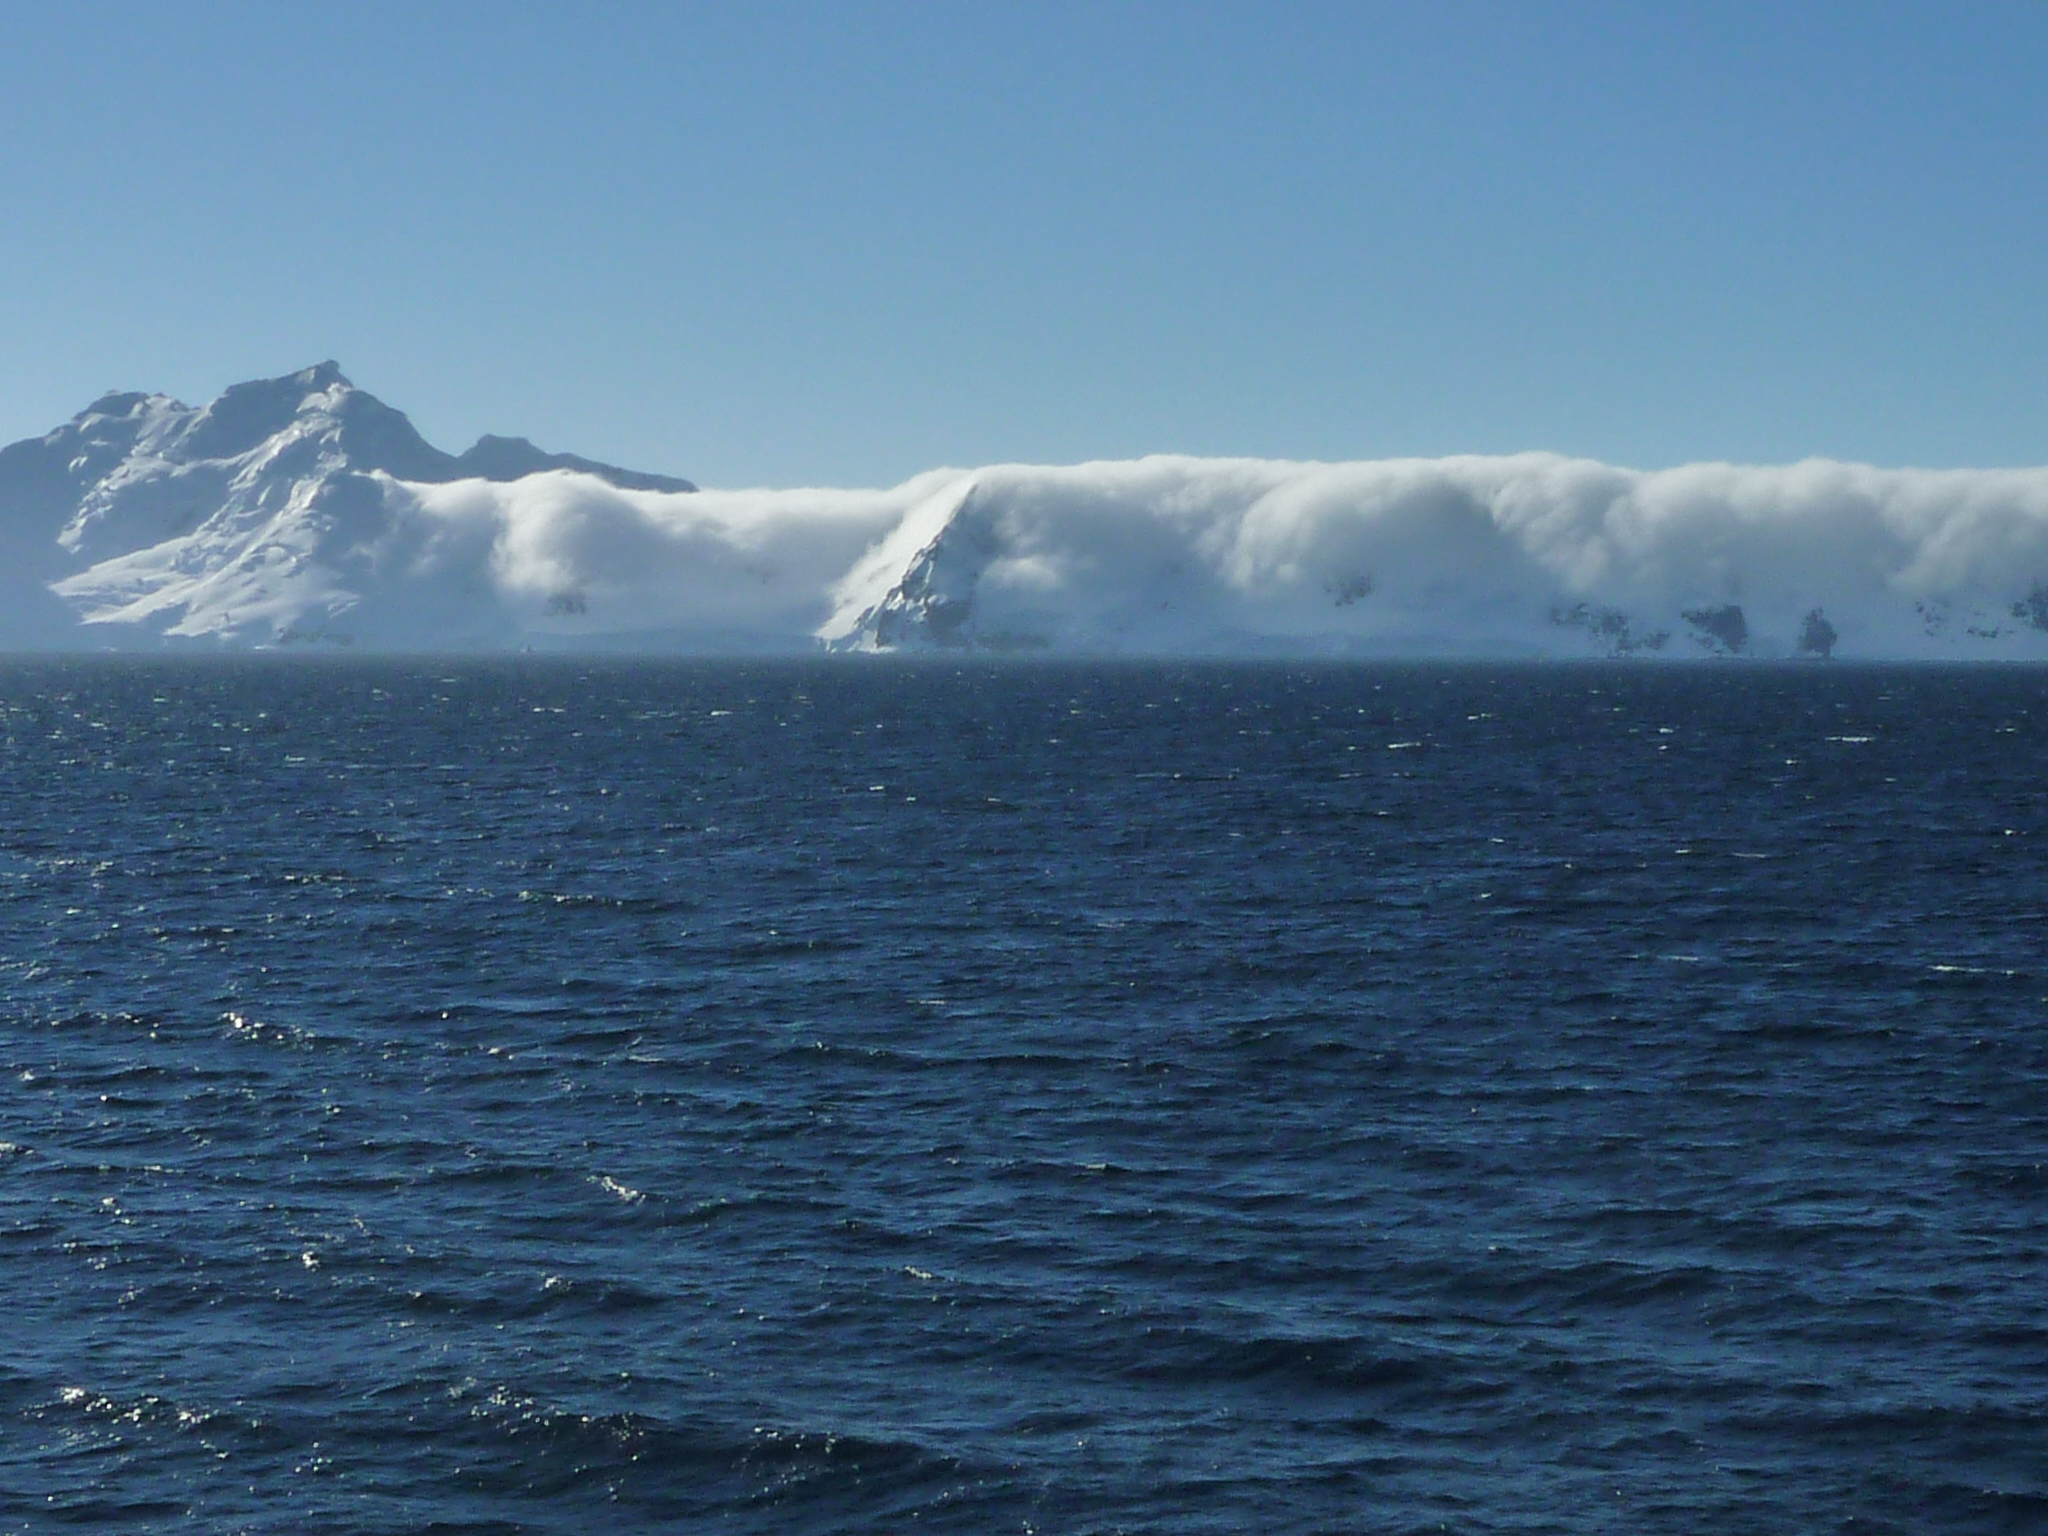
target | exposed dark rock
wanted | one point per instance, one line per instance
(1723, 629)
(1816, 635)
(2033, 608)
(1612, 627)
(933, 605)
(1346, 590)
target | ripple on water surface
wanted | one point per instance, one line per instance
(500, 1096)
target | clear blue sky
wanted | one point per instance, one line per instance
(773, 244)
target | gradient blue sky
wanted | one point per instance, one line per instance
(784, 243)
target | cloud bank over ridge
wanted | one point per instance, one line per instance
(300, 510)
(1526, 555)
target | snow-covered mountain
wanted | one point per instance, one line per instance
(302, 510)
(264, 516)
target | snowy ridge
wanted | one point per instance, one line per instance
(301, 510)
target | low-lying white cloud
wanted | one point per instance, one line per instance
(1531, 554)
(591, 558)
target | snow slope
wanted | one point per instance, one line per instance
(303, 510)
(262, 517)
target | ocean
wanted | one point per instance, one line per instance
(543, 1095)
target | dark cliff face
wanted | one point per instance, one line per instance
(933, 603)
(1724, 629)
(1817, 636)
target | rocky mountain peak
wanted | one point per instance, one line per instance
(140, 479)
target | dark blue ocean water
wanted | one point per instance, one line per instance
(553, 1097)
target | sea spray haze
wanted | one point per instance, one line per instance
(544, 1095)
(302, 510)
